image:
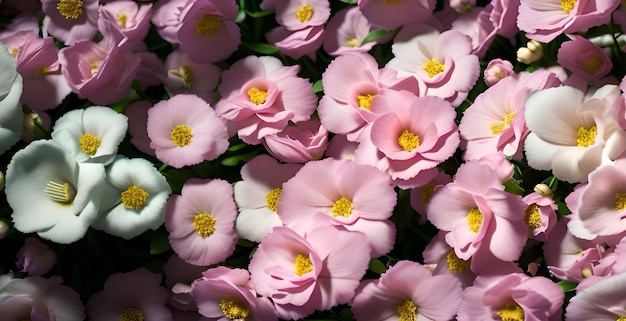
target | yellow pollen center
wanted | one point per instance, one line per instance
(42, 71)
(70, 9)
(95, 67)
(234, 311)
(353, 43)
(586, 137)
(511, 312)
(257, 96)
(593, 65)
(620, 201)
(132, 314)
(621, 319)
(89, 144)
(134, 197)
(181, 135)
(121, 20)
(14, 52)
(62, 193)
(433, 67)
(342, 207)
(498, 127)
(204, 224)
(408, 141)
(474, 219)
(427, 191)
(407, 311)
(185, 73)
(532, 218)
(272, 197)
(365, 101)
(305, 13)
(208, 24)
(303, 265)
(455, 264)
(568, 5)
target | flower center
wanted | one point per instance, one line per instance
(455, 264)
(89, 144)
(474, 219)
(204, 224)
(272, 197)
(257, 96)
(234, 311)
(353, 43)
(62, 193)
(181, 135)
(134, 197)
(42, 71)
(591, 66)
(342, 207)
(407, 311)
(208, 24)
(498, 127)
(568, 5)
(305, 13)
(621, 319)
(132, 314)
(185, 73)
(427, 191)
(70, 9)
(586, 137)
(365, 101)
(408, 141)
(433, 68)
(303, 265)
(121, 20)
(511, 312)
(620, 201)
(532, 218)
(94, 67)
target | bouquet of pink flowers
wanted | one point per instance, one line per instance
(337, 160)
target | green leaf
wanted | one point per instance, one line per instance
(375, 35)
(241, 16)
(567, 286)
(563, 209)
(259, 14)
(377, 266)
(512, 187)
(317, 86)
(237, 147)
(349, 1)
(159, 243)
(261, 48)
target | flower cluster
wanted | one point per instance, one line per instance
(313, 160)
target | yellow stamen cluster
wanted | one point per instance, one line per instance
(134, 197)
(305, 13)
(208, 25)
(408, 141)
(204, 224)
(621, 319)
(62, 193)
(594, 64)
(132, 314)
(474, 219)
(620, 201)
(185, 73)
(433, 67)
(532, 217)
(181, 135)
(498, 127)
(586, 137)
(407, 311)
(568, 5)
(70, 9)
(257, 96)
(342, 207)
(94, 67)
(303, 265)
(353, 43)
(455, 264)
(89, 144)
(233, 311)
(365, 100)
(511, 312)
(121, 20)
(272, 197)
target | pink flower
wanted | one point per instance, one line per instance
(421, 195)
(346, 31)
(304, 274)
(300, 14)
(393, 14)
(35, 258)
(602, 301)
(71, 21)
(137, 294)
(167, 17)
(341, 192)
(209, 24)
(202, 230)
(186, 76)
(540, 215)
(543, 20)
(260, 96)
(496, 70)
(137, 114)
(179, 275)
(340, 147)
(441, 259)
(132, 19)
(184, 130)
(443, 61)
(584, 59)
(408, 291)
(300, 143)
(417, 134)
(297, 43)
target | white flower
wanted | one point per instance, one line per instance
(91, 135)
(11, 115)
(51, 194)
(133, 198)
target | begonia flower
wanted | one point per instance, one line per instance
(304, 141)
(602, 301)
(496, 70)
(71, 21)
(298, 43)
(441, 259)
(186, 76)
(589, 65)
(35, 257)
(179, 275)
(421, 195)
(300, 14)
(346, 31)
(132, 19)
(166, 17)
(540, 215)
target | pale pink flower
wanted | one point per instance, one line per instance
(584, 59)
(341, 192)
(179, 275)
(304, 274)
(300, 14)
(540, 216)
(70, 21)
(462, 5)
(202, 229)
(304, 141)
(257, 196)
(130, 18)
(166, 18)
(136, 294)
(604, 301)
(420, 195)
(496, 70)
(350, 83)
(417, 134)
(440, 257)
(576, 134)
(340, 147)
(479, 215)
(443, 61)
(260, 96)
(297, 43)
(186, 76)
(346, 31)
(184, 130)
(35, 258)
(209, 24)
(393, 14)
(512, 296)
(408, 291)
(544, 20)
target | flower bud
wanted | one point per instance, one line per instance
(543, 190)
(531, 53)
(35, 258)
